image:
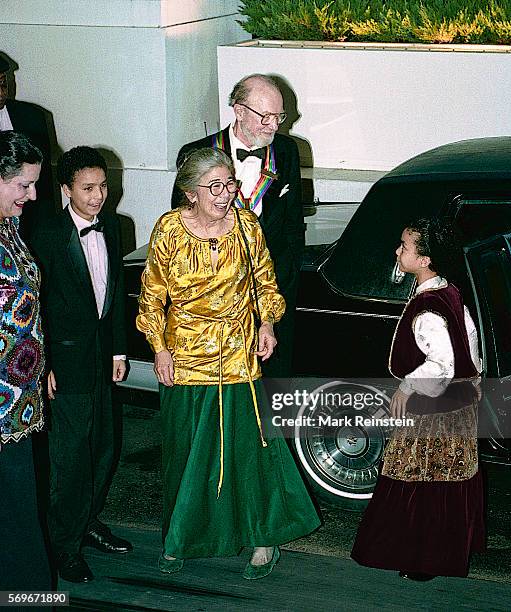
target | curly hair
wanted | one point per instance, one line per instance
(77, 159)
(438, 240)
(15, 150)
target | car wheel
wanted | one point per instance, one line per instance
(339, 446)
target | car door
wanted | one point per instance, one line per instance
(489, 265)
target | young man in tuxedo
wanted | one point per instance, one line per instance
(30, 120)
(268, 167)
(82, 297)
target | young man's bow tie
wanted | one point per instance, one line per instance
(95, 227)
(242, 154)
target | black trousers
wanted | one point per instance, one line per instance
(81, 449)
(23, 560)
(280, 364)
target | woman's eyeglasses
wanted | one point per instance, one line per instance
(217, 187)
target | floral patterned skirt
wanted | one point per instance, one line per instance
(437, 447)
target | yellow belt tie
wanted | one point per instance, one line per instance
(252, 390)
(223, 322)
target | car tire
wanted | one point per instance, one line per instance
(339, 458)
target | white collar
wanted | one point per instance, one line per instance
(80, 222)
(437, 282)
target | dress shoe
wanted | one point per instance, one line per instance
(417, 576)
(73, 568)
(169, 566)
(254, 572)
(102, 538)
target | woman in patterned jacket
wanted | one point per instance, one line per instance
(23, 559)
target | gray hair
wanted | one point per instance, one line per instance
(241, 91)
(198, 163)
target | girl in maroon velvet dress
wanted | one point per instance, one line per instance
(426, 513)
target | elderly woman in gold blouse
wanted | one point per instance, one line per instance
(229, 482)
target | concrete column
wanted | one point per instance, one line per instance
(136, 78)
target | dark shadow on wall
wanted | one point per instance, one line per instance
(304, 146)
(36, 122)
(115, 193)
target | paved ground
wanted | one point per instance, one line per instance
(315, 573)
(300, 582)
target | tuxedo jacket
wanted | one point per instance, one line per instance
(282, 213)
(75, 333)
(31, 121)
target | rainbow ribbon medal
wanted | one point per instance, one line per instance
(268, 175)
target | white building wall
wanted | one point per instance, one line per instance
(135, 77)
(192, 91)
(364, 107)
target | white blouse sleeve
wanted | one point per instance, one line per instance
(434, 375)
(472, 341)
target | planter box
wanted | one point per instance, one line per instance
(372, 106)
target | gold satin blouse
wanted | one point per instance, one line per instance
(208, 325)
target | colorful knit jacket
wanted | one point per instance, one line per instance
(21, 338)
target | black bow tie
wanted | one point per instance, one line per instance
(242, 154)
(95, 227)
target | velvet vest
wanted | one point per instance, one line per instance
(406, 355)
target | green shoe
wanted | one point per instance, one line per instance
(254, 572)
(169, 566)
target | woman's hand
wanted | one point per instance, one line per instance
(52, 385)
(267, 341)
(398, 404)
(119, 370)
(164, 368)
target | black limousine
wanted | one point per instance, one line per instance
(351, 296)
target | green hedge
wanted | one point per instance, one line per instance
(434, 21)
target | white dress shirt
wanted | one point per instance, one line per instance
(432, 337)
(248, 171)
(5, 120)
(96, 255)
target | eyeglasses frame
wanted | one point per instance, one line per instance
(280, 117)
(224, 186)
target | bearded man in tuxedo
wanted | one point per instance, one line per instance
(268, 168)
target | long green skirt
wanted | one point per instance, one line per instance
(262, 501)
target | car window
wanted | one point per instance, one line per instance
(363, 260)
(480, 218)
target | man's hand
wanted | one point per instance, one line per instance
(267, 341)
(398, 404)
(52, 385)
(119, 370)
(164, 368)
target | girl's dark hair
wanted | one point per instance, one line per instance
(438, 240)
(77, 159)
(15, 150)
